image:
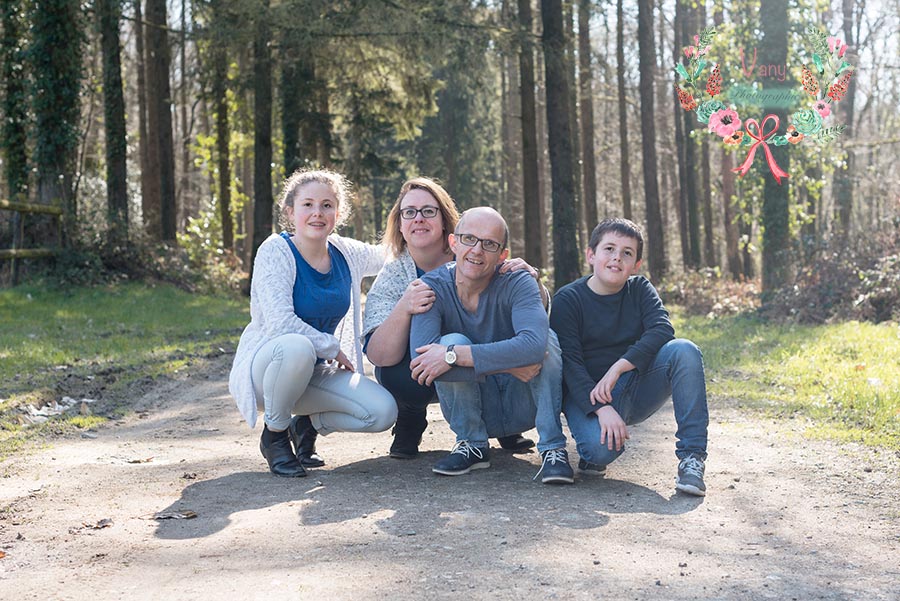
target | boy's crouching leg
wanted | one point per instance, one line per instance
(585, 429)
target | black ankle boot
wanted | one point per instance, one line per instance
(304, 435)
(408, 434)
(276, 448)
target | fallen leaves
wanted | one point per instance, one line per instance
(179, 514)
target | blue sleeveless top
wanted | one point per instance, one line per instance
(321, 299)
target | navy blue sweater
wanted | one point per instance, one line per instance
(597, 330)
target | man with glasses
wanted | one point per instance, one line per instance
(486, 343)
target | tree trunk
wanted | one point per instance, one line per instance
(14, 125)
(185, 199)
(585, 80)
(531, 186)
(571, 40)
(262, 136)
(776, 271)
(647, 63)
(160, 149)
(223, 141)
(565, 251)
(624, 161)
(731, 228)
(710, 257)
(108, 12)
(843, 185)
(56, 54)
(149, 198)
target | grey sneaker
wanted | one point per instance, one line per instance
(555, 468)
(463, 459)
(690, 476)
(594, 469)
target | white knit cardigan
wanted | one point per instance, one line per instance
(272, 311)
(388, 289)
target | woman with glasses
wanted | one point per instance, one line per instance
(416, 236)
(300, 360)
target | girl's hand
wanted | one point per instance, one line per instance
(343, 362)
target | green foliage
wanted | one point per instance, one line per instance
(829, 134)
(844, 376)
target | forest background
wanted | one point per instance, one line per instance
(162, 130)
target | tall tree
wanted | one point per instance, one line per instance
(223, 140)
(565, 251)
(689, 190)
(57, 41)
(585, 88)
(843, 185)
(624, 161)
(647, 63)
(160, 144)
(262, 129)
(534, 249)
(681, 192)
(109, 13)
(149, 200)
(14, 126)
(776, 253)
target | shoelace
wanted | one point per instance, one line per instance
(464, 448)
(551, 456)
(692, 466)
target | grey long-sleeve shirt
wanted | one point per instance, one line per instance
(509, 328)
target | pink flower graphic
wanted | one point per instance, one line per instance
(822, 108)
(724, 123)
(835, 42)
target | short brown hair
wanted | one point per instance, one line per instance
(625, 227)
(393, 237)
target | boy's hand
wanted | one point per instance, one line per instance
(602, 392)
(613, 431)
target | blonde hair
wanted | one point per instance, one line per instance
(393, 237)
(339, 184)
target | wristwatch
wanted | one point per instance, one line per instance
(450, 355)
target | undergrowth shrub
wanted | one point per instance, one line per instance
(707, 292)
(844, 282)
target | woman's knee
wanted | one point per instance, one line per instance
(382, 410)
(295, 350)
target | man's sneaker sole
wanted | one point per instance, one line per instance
(690, 489)
(558, 480)
(475, 466)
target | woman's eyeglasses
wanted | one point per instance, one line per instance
(427, 212)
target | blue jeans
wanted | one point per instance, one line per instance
(677, 372)
(502, 405)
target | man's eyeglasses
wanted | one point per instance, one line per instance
(489, 246)
(427, 212)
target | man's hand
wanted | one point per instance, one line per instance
(613, 431)
(526, 373)
(417, 298)
(430, 364)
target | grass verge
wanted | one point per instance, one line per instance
(845, 377)
(97, 342)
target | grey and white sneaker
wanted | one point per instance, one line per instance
(690, 476)
(463, 459)
(555, 468)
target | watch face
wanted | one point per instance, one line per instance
(450, 357)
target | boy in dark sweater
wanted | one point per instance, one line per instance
(621, 360)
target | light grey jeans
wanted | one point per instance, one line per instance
(288, 382)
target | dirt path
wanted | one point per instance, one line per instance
(785, 517)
